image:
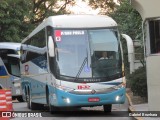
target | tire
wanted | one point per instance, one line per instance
(28, 99)
(13, 98)
(36, 106)
(20, 99)
(31, 105)
(52, 109)
(107, 108)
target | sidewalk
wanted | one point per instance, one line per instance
(139, 108)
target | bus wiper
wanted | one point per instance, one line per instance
(87, 56)
(82, 66)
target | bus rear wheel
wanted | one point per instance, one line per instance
(28, 99)
(20, 99)
(107, 108)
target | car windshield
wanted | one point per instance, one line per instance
(87, 53)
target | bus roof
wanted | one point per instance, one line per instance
(75, 21)
(10, 45)
(80, 21)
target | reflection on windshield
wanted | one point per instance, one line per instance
(106, 56)
(71, 52)
(105, 66)
(102, 48)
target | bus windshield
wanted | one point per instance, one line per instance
(88, 53)
(12, 65)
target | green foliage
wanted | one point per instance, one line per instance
(138, 82)
(128, 19)
(19, 17)
(105, 6)
(12, 20)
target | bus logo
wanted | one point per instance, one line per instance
(93, 91)
(82, 87)
(58, 39)
(58, 35)
(26, 68)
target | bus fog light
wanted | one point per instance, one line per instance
(67, 100)
(117, 98)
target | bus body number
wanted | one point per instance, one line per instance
(83, 86)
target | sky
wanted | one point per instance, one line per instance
(83, 8)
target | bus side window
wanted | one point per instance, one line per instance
(2, 71)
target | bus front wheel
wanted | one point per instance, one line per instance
(52, 108)
(107, 108)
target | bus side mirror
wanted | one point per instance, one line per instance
(51, 46)
(131, 53)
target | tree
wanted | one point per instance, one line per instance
(19, 17)
(44, 8)
(12, 19)
(128, 19)
(105, 6)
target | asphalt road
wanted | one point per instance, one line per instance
(85, 113)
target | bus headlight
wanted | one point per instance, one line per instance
(66, 100)
(117, 98)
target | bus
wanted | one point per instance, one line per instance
(61, 63)
(10, 68)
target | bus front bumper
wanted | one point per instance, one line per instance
(67, 99)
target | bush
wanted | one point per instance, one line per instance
(138, 82)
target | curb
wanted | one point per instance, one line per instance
(131, 108)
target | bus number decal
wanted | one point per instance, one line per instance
(83, 87)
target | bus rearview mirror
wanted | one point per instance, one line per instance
(51, 46)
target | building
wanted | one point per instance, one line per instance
(149, 11)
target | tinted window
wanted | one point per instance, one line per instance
(154, 27)
(34, 47)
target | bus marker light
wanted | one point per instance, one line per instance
(93, 99)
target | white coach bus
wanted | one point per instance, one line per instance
(62, 63)
(10, 68)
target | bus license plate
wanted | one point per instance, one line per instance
(93, 99)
